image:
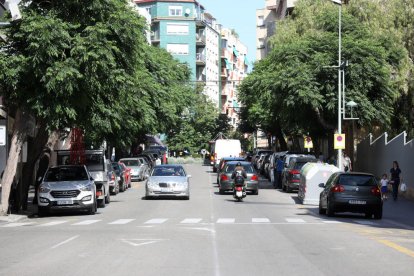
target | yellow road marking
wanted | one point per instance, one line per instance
(397, 247)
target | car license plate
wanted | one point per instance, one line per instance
(65, 202)
(239, 194)
(166, 190)
(358, 202)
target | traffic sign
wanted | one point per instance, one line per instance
(339, 141)
(308, 142)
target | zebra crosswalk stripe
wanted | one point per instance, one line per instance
(52, 223)
(226, 220)
(260, 220)
(87, 222)
(121, 221)
(17, 224)
(295, 220)
(156, 221)
(191, 220)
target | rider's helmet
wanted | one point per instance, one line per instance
(238, 164)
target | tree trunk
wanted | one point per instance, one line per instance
(41, 144)
(280, 137)
(19, 135)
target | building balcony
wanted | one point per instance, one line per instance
(200, 40)
(224, 73)
(200, 59)
(155, 37)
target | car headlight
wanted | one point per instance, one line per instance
(86, 188)
(44, 189)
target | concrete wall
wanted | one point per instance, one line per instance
(376, 156)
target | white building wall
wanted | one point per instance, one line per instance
(212, 65)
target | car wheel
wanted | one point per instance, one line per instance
(288, 189)
(92, 209)
(108, 199)
(329, 210)
(321, 210)
(221, 191)
(122, 187)
(283, 187)
(378, 214)
(101, 203)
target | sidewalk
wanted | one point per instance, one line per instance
(23, 214)
(400, 211)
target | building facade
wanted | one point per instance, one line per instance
(234, 68)
(191, 35)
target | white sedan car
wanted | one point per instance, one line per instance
(168, 180)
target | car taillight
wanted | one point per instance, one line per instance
(376, 191)
(98, 193)
(254, 178)
(224, 177)
(337, 189)
(113, 176)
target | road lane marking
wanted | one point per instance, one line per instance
(201, 229)
(65, 241)
(52, 223)
(17, 224)
(226, 220)
(260, 220)
(191, 220)
(140, 242)
(365, 222)
(397, 247)
(295, 220)
(87, 222)
(121, 221)
(156, 221)
(331, 221)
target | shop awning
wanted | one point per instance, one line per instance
(228, 65)
(235, 52)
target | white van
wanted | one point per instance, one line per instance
(225, 148)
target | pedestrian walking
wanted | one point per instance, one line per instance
(384, 186)
(347, 163)
(395, 179)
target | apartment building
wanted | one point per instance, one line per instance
(191, 35)
(266, 20)
(234, 68)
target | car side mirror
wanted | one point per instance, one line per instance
(189, 176)
(321, 185)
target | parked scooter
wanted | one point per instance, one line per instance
(239, 188)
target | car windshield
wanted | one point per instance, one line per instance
(132, 162)
(247, 167)
(357, 180)
(66, 174)
(168, 171)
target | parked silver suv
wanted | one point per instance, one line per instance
(67, 188)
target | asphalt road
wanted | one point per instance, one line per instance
(211, 234)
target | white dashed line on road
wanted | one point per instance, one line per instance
(121, 221)
(17, 224)
(65, 241)
(156, 221)
(226, 220)
(260, 220)
(191, 220)
(295, 220)
(52, 223)
(87, 222)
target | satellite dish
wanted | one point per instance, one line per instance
(187, 11)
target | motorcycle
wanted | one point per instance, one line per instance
(239, 188)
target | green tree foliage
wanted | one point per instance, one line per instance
(198, 125)
(293, 88)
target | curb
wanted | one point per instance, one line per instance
(12, 218)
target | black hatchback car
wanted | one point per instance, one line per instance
(351, 192)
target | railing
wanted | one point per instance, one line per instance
(201, 38)
(155, 35)
(200, 57)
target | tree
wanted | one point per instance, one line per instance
(65, 63)
(293, 88)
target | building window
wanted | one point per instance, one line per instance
(177, 29)
(178, 49)
(260, 21)
(175, 10)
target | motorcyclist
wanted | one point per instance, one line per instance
(239, 170)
